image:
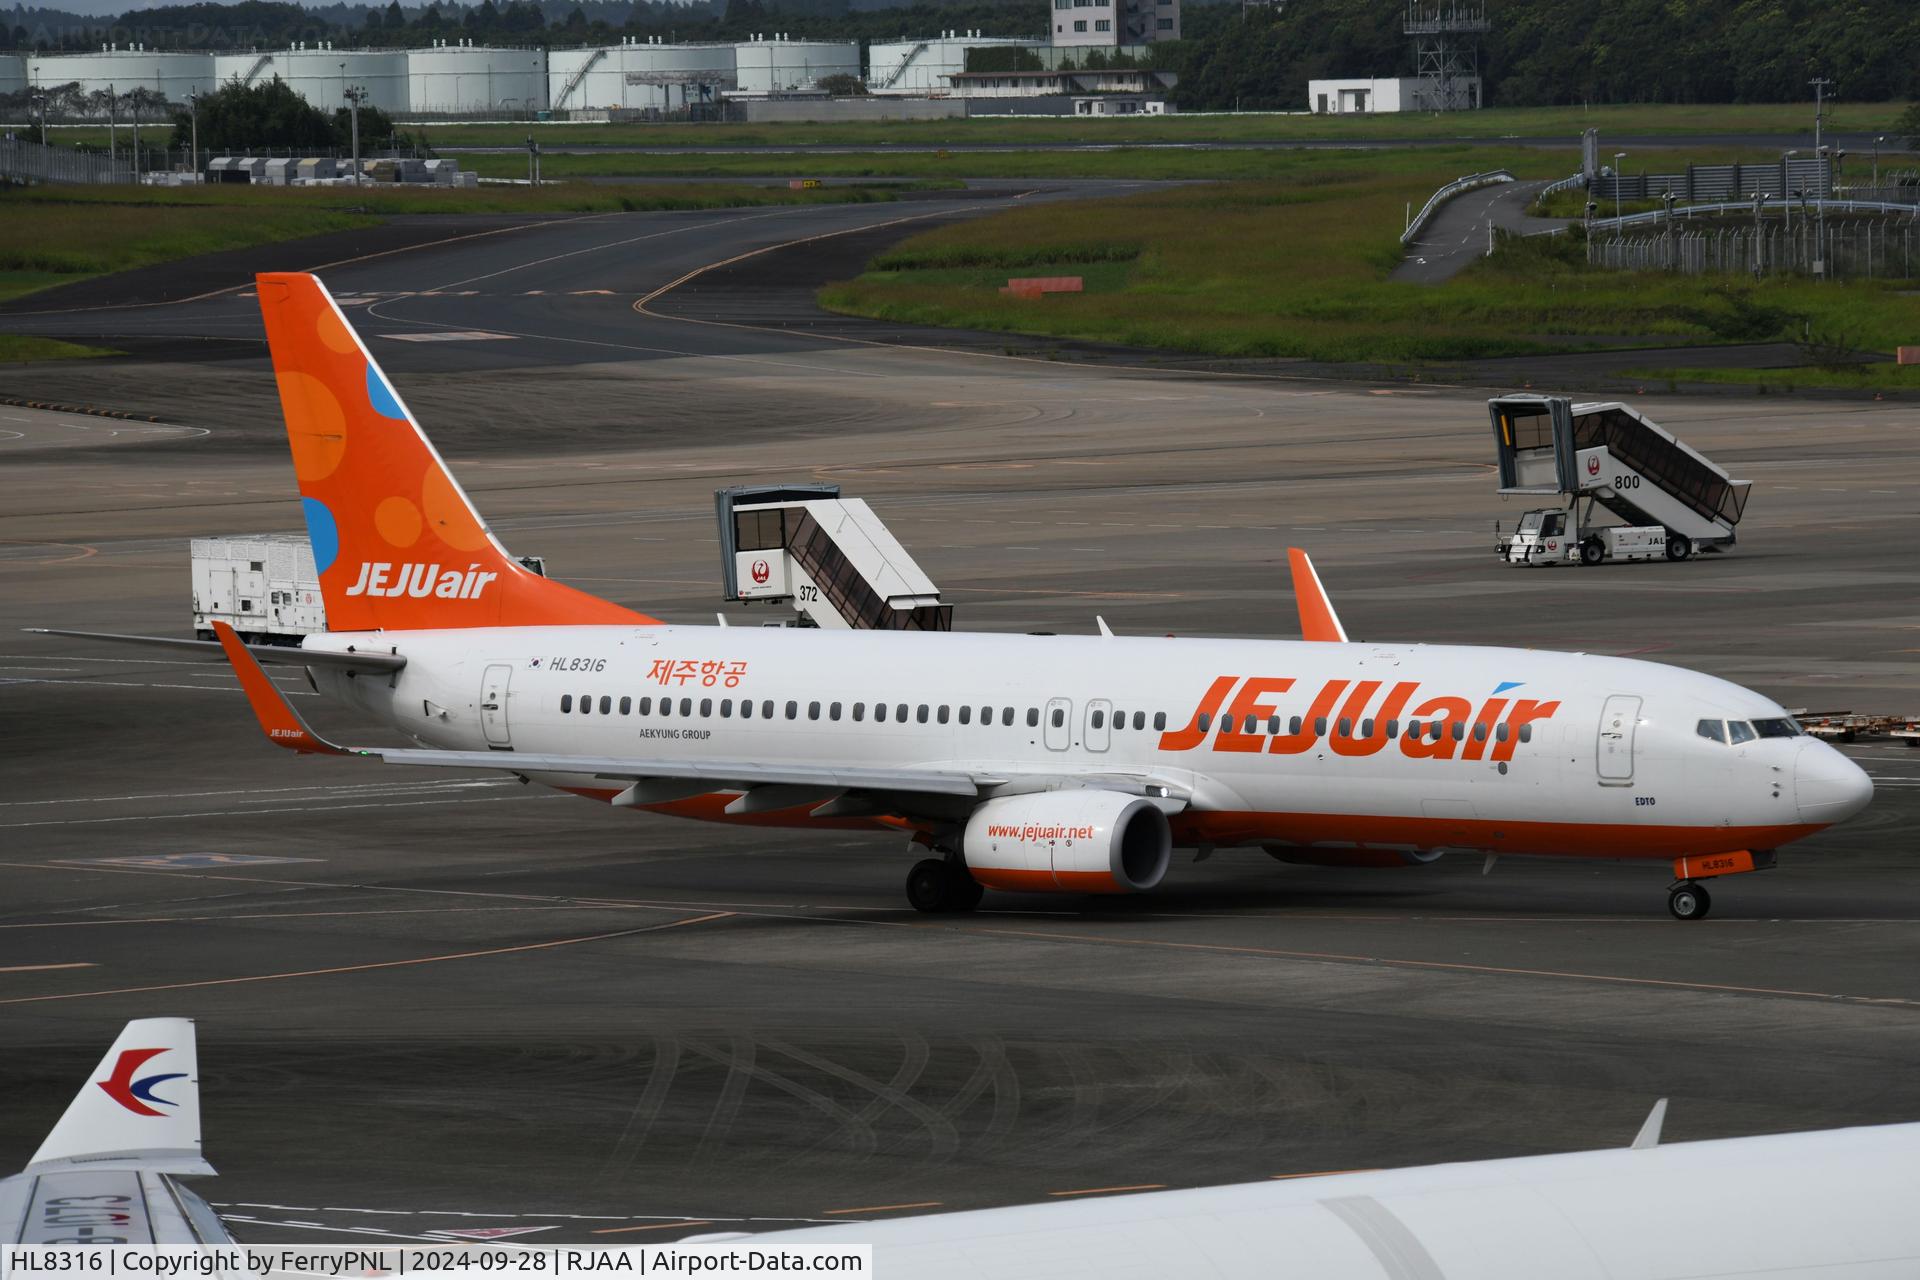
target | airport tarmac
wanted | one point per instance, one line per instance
(443, 1003)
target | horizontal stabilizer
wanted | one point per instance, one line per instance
(350, 661)
(139, 1109)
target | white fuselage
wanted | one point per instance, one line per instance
(1798, 1206)
(1306, 746)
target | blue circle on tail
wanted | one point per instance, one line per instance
(322, 532)
(381, 398)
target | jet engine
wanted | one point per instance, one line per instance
(1072, 841)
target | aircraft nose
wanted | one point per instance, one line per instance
(1828, 787)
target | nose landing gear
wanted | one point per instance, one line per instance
(1689, 901)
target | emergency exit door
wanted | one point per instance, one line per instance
(1617, 721)
(493, 704)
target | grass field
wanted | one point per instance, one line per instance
(1522, 122)
(18, 349)
(54, 235)
(1300, 269)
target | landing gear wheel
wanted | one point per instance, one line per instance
(1689, 901)
(1591, 552)
(935, 885)
(1678, 547)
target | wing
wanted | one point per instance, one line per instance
(653, 780)
(352, 660)
(1318, 621)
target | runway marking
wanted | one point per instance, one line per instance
(310, 808)
(90, 683)
(653, 1226)
(456, 335)
(1318, 1173)
(1446, 965)
(271, 915)
(353, 788)
(382, 964)
(42, 968)
(885, 1208)
(1101, 1191)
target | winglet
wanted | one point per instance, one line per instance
(140, 1108)
(1649, 1135)
(1318, 621)
(278, 720)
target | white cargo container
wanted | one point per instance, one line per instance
(263, 586)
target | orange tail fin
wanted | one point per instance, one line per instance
(396, 542)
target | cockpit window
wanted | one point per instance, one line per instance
(1740, 731)
(1713, 730)
(1782, 728)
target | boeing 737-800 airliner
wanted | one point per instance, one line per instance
(1022, 763)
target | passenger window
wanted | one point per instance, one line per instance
(706, 707)
(1459, 730)
(1006, 716)
(586, 704)
(666, 706)
(1320, 726)
(1273, 724)
(1480, 731)
(746, 708)
(1413, 730)
(859, 711)
(1526, 733)
(646, 706)
(923, 713)
(813, 711)
(1204, 721)
(833, 711)
(900, 712)
(880, 712)
(793, 711)
(1293, 726)
(766, 709)
(1366, 728)
(686, 706)
(966, 714)
(1503, 732)
(1098, 719)
(1060, 717)
(1739, 731)
(1160, 721)
(1139, 720)
(1345, 727)
(1033, 717)
(726, 708)
(1435, 729)
(566, 702)
(1393, 729)
(606, 705)
(626, 706)
(986, 715)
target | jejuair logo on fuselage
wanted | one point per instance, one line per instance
(1345, 714)
(378, 578)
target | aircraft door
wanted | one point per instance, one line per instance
(1059, 723)
(1615, 756)
(1099, 724)
(493, 704)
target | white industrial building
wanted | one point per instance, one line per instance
(173, 75)
(775, 64)
(317, 72)
(639, 75)
(1358, 96)
(923, 68)
(1109, 24)
(466, 79)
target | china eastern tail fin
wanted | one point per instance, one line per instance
(139, 1109)
(396, 542)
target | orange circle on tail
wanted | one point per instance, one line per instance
(398, 521)
(447, 512)
(316, 425)
(333, 332)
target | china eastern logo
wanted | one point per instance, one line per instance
(383, 578)
(136, 1092)
(1358, 718)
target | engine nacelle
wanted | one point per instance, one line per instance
(1071, 841)
(1311, 857)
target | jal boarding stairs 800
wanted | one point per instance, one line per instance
(1612, 455)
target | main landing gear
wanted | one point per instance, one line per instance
(938, 885)
(1689, 900)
